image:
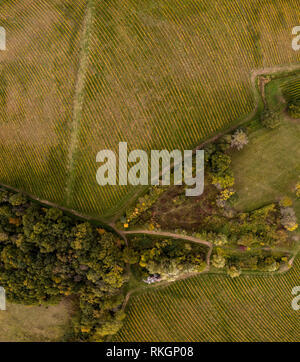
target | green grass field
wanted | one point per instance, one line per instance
(156, 74)
(268, 168)
(216, 308)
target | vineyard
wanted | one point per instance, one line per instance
(158, 75)
(291, 91)
(216, 308)
(37, 81)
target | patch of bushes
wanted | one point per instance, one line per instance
(271, 118)
(168, 257)
(294, 110)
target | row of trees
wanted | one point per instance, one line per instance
(255, 260)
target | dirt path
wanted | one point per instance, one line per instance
(79, 97)
(158, 285)
(70, 211)
(173, 236)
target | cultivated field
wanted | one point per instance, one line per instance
(155, 74)
(291, 91)
(216, 308)
(37, 81)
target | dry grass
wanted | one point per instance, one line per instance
(21, 323)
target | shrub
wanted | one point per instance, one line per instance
(298, 189)
(239, 140)
(17, 199)
(288, 219)
(286, 202)
(233, 272)
(218, 261)
(4, 196)
(270, 119)
(294, 110)
(270, 264)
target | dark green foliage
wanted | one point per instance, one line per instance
(168, 257)
(45, 255)
(220, 162)
(251, 260)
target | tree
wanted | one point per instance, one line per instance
(17, 199)
(218, 261)
(45, 254)
(233, 272)
(223, 181)
(288, 218)
(220, 162)
(130, 256)
(220, 240)
(239, 140)
(286, 202)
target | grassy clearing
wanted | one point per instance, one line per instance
(21, 323)
(269, 168)
(216, 308)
